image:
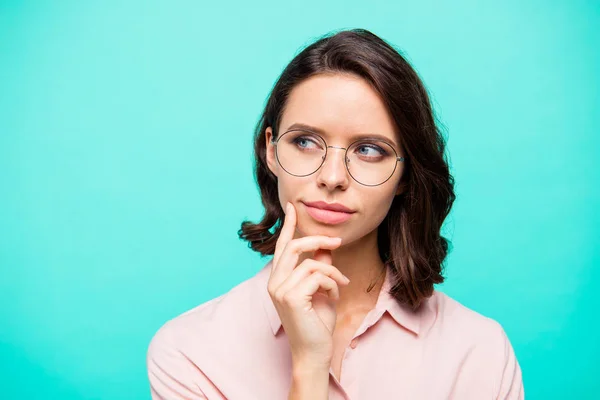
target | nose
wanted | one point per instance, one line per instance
(333, 173)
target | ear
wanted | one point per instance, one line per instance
(271, 160)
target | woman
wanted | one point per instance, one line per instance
(355, 184)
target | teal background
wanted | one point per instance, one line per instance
(126, 170)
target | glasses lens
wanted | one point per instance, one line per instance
(300, 153)
(370, 162)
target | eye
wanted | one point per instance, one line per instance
(370, 150)
(305, 142)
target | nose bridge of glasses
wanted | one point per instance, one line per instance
(339, 148)
(339, 171)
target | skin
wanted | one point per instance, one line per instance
(306, 261)
(341, 105)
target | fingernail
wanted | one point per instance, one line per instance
(347, 280)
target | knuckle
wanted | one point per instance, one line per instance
(278, 296)
(306, 265)
(287, 299)
(319, 276)
(330, 269)
(330, 281)
(303, 264)
(295, 245)
(324, 268)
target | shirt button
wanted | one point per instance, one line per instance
(353, 343)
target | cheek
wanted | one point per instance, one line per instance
(375, 205)
(287, 189)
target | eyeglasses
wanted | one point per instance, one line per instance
(370, 162)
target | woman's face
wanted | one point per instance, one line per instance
(341, 106)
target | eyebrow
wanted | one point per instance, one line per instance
(305, 127)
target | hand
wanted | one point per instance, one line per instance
(305, 295)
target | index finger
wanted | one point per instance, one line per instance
(287, 232)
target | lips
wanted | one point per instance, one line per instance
(330, 214)
(329, 206)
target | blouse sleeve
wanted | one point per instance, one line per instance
(171, 374)
(511, 383)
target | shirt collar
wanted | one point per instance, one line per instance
(401, 313)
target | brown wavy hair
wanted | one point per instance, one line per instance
(409, 238)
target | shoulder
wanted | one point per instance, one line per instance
(214, 318)
(465, 327)
(458, 318)
(193, 349)
(478, 346)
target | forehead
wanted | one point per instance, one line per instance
(340, 106)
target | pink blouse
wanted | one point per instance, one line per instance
(233, 347)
